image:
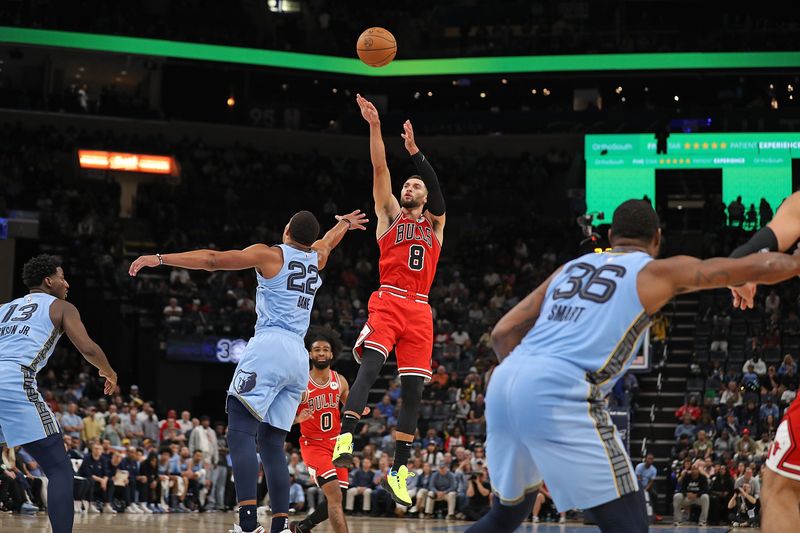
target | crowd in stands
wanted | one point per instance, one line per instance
(137, 456)
(743, 377)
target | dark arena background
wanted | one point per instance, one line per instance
(134, 128)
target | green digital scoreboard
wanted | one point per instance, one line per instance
(754, 165)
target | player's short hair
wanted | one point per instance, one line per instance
(39, 267)
(635, 219)
(317, 333)
(304, 228)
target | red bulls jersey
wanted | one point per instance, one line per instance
(409, 254)
(322, 399)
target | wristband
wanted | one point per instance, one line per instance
(160, 259)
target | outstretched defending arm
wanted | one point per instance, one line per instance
(255, 256)
(386, 205)
(778, 235)
(662, 279)
(512, 328)
(333, 237)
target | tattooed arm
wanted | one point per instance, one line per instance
(509, 330)
(662, 279)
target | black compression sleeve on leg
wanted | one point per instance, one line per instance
(623, 515)
(504, 518)
(435, 197)
(411, 392)
(371, 364)
(764, 239)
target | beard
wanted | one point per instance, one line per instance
(410, 204)
(321, 365)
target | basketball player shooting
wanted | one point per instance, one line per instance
(410, 234)
(780, 488)
(29, 331)
(272, 374)
(564, 347)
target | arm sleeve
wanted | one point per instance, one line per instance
(435, 198)
(763, 240)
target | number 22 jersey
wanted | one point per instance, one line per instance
(592, 317)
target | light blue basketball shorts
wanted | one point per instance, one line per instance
(271, 377)
(541, 426)
(24, 416)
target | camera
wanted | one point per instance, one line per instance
(585, 222)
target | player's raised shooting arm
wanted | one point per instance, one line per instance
(435, 204)
(386, 205)
(510, 330)
(268, 259)
(662, 279)
(72, 325)
(329, 241)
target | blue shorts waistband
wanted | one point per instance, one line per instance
(281, 331)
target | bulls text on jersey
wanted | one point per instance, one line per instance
(323, 401)
(410, 231)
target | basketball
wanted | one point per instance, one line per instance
(376, 47)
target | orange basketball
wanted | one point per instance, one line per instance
(376, 47)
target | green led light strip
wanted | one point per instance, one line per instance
(401, 67)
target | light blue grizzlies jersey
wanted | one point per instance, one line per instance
(592, 317)
(27, 335)
(285, 300)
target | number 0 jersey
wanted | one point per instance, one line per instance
(27, 335)
(409, 255)
(323, 402)
(592, 316)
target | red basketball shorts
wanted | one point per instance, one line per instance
(403, 323)
(784, 455)
(317, 455)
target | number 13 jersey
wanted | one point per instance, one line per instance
(27, 335)
(409, 254)
(592, 316)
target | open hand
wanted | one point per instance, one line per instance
(141, 262)
(408, 137)
(111, 381)
(743, 296)
(304, 415)
(368, 110)
(357, 219)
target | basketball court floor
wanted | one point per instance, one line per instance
(221, 523)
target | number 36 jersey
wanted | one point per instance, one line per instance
(27, 335)
(592, 317)
(409, 254)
